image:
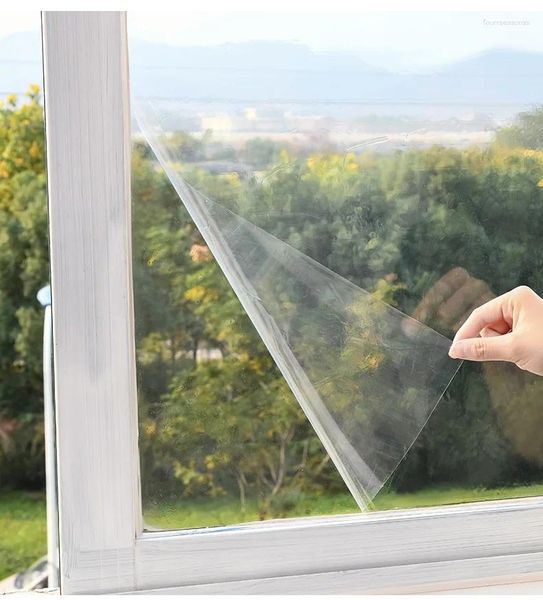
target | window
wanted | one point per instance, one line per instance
(393, 175)
(441, 172)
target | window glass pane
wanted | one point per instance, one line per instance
(407, 170)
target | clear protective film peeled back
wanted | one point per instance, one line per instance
(367, 375)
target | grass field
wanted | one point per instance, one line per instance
(23, 537)
(226, 511)
(23, 531)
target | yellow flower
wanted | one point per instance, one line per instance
(312, 162)
(372, 361)
(195, 294)
(232, 178)
(199, 293)
(150, 429)
(284, 156)
(33, 90)
(34, 150)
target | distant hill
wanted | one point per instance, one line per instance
(253, 71)
(276, 71)
(493, 78)
(245, 56)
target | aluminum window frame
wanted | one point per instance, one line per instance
(103, 545)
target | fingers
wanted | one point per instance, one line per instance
(493, 312)
(489, 332)
(495, 329)
(490, 347)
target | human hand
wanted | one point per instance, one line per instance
(507, 328)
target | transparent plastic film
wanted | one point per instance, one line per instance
(366, 375)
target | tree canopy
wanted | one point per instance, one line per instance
(216, 416)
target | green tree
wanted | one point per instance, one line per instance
(24, 269)
(216, 416)
(526, 132)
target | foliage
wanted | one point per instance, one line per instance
(216, 417)
(207, 427)
(526, 132)
(361, 216)
(24, 269)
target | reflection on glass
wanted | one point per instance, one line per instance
(419, 188)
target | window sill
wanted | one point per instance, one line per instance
(401, 549)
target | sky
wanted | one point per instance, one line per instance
(387, 39)
(12, 22)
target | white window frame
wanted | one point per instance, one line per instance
(103, 546)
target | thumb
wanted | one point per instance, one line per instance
(483, 348)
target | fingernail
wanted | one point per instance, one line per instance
(453, 350)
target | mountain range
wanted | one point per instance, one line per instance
(274, 72)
